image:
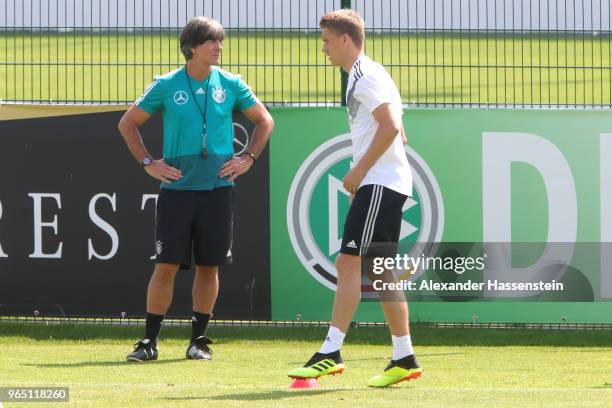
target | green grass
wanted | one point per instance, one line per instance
(463, 367)
(428, 68)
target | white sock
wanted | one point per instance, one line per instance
(333, 341)
(402, 346)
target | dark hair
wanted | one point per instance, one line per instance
(197, 31)
(345, 21)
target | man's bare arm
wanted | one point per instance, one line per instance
(128, 127)
(388, 129)
(264, 124)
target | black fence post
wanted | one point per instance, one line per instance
(344, 75)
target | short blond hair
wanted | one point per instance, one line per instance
(345, 21)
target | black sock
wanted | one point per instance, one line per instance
(153, 326)
(199, 322)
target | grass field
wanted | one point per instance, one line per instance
(476, 68)
(463, 367)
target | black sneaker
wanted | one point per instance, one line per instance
(198, 349)
(144, 350)
(319, 365)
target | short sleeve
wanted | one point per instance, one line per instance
(244, 96)
(372, 91)
(152, 99)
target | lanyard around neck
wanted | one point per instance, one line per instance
(203, 112)
(204, 153)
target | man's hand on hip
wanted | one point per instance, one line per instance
(159, 170)
(235, 167)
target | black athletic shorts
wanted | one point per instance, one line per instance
(372, 226)
(198, 221)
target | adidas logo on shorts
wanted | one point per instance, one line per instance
(351, 244)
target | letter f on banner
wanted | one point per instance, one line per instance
(499, 151)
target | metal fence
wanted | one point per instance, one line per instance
(540, 53)
(128, 321)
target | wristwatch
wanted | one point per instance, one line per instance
(249, 154)
(146, 161)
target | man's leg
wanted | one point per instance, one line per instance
(205, 288)
(161, 288)
(359, 220)
(348, 292)
(213, 231)
(204, 294)
(403, 365)
(173, 242)
(395, 308)
(346, 300)
(159, 298)
(396, 314)
(393, 303)
(348, 265)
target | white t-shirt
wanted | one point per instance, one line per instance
(369, 86)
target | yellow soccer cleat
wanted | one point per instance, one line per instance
(404, 369)
(319, 365)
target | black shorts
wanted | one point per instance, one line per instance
(198, 221)
(373, 223)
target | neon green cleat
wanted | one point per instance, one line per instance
(404, 369)
(319, 365)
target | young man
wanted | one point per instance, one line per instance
(379, 184)
(197, 171)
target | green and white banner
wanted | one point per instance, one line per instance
(528, 194)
